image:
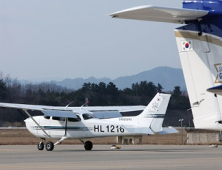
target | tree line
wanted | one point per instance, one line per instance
(101, 94)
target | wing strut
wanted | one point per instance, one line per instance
(36, 122)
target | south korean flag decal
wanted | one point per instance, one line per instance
(187, 45)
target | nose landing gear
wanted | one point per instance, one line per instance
(49, 146)
(40, 145)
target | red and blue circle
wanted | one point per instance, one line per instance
(187, 45)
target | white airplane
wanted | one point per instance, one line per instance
(199, 43)
(79, 123)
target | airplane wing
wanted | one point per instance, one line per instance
(115, 108)
(93, 109)
(106, 114)
(58, 113)
(160, 14)
(30, 107)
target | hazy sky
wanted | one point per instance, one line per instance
(58, 39)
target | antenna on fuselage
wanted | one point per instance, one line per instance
(69, 104)
(86, 102)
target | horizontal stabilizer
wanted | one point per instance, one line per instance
(216, 90)
(59, 113)
(168, 130)
(160, 14)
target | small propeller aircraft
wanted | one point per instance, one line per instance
(79, 122)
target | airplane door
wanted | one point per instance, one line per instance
(44, 122)
(57, 127)
(75, 128)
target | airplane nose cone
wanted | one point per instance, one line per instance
(31, 126)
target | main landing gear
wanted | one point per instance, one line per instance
(49, 146)
(88, 145)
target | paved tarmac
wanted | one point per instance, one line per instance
(131, 157)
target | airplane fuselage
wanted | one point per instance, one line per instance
(80, 129)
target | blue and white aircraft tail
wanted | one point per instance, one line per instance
(199, 44)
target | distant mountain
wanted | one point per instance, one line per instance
(78, 82)
(166, 76)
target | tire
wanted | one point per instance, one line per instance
(40, 146)
(49, 146)
(88, 145)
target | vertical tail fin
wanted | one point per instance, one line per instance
(201, 60)
(153, 115)
(200, 48)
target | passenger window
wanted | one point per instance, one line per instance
(58, 118)
(55, 118)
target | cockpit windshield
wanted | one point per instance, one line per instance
(87, 116)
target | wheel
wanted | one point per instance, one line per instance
(88, 145)
(40, 146)
(49, 146)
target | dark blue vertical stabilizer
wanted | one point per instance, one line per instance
(214, 6)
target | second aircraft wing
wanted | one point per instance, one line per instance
(160, 14)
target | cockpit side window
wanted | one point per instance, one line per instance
(87, 116)
(47, 117)
(58, 118)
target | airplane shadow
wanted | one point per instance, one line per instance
(170, 150)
